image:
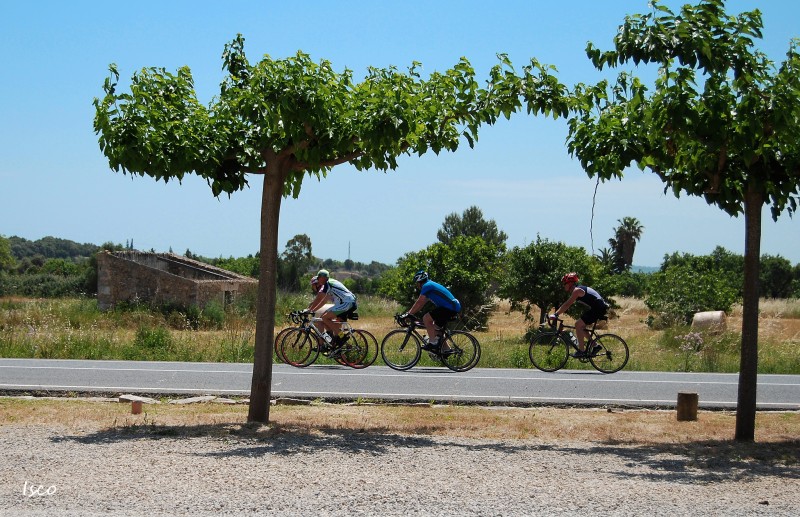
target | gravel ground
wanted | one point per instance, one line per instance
(48, 471)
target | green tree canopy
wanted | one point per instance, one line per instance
(721, 122)
(533, 275)
(471, 224)
(288, 118)
(468, 266)
(7, 261)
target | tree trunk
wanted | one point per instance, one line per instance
(748, 369)
(261, 386)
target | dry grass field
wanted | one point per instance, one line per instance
(548, 424)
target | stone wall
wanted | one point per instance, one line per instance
(165, 278)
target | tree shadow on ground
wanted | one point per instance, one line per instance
(692, 462)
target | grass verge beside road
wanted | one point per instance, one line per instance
(76, 329)
(550, 425)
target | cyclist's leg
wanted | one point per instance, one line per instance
(439, 317)
(589, 317)
(430, 327)
(322, 310)
(330, 319)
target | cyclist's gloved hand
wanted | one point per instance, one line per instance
(404, 316)
(552, 317)
(304, 311)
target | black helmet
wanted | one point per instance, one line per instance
(421, 276)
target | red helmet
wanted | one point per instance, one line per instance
(570, 278)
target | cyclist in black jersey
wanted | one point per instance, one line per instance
(587, 296)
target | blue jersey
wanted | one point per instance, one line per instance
(440, 296)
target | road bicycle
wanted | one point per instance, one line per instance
(401, 349)
(301, 345)
(551, 344)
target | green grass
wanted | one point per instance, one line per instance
(76, 329)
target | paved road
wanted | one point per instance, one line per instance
(483, 385)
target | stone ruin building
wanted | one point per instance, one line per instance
(165, 278)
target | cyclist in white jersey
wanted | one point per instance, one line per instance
(343, 301)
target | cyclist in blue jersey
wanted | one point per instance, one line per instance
(587, 296)
(343, 301)
(446, 307)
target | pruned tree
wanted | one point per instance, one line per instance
(284, 119)
(722, 122)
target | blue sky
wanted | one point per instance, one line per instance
(55, 181)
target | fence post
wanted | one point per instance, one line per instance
(687, 406)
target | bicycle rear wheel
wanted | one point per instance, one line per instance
(372, 347)
(548, 351)
(299, 348)
(400, 349)
(467, 351)
(354, 351)
(613, 354)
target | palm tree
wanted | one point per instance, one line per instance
(623, 244)
(607, 257)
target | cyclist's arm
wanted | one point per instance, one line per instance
(318, 302)
(576, 293)
(419, 304)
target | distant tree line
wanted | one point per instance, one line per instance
(470, 258)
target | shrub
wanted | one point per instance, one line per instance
(467, 266)
(212, 316)
(43, 285)
(677, 293)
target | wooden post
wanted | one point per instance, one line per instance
(687, 406)
(136, 407)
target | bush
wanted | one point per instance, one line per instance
(152, 343)
(677, 293)
(532, 277)
(43, 285)
(632, 285)
(212, 316)
(467, 266)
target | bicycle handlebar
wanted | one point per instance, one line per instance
(300, 317)
(407, 321)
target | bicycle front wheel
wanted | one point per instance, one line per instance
(467, 351)
(298, 348)
(548, 351)
(277, 344)
(400, 349)
(612, 355)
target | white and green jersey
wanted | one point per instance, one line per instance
(338, 292)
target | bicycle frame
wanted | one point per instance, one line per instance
(402, 348)
(549, 348)
(305, 322)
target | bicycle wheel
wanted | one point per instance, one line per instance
(467, 351)
(400, 349)
(372, 347)
(548, 350)
(613, 354)
(277, 344)
(353, 352)
(298, 348)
